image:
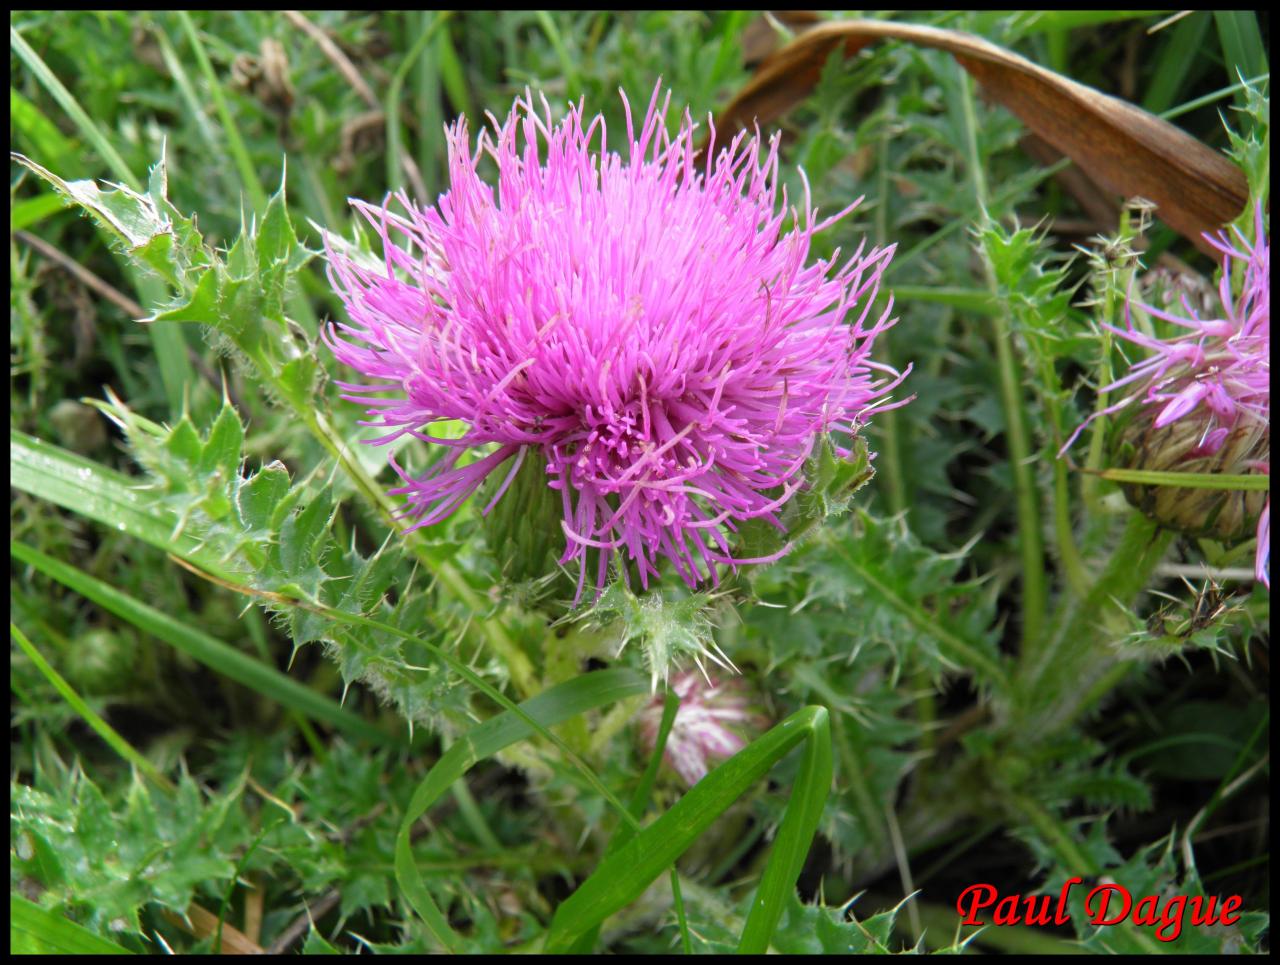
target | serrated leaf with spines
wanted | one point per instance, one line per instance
(145, 226)
(278, 536)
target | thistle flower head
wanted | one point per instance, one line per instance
(1208, 390)
(647, 324)
(708, 724)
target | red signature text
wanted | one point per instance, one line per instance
(1105, 904)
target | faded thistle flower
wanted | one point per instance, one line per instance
(1206, 402)
(644, 325)
(708, 725)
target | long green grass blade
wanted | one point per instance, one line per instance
(428, 108)
(453, 77)
(791, 843)
(249, 179)
(195, 109)
(213, 653)
(395, 136)
(1242, 45)
(37, 931)
(1031, 23)
(1217, 95)
(644, 790)
(43, 138)
(964, 299)
(88, 128)
(1257, 483)
(1075, 19)
(99, 726)
(560, 703)
(101, 494)
(1171, 74)
(548, 25)
(621, 878)
(639, 801)
(24, 214)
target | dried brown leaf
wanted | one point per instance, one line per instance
(203, 923)
(1122, 147)
(760, 37)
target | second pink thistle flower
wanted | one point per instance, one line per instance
(1204, 401)
(644, 326)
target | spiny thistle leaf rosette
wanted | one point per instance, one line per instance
(643, 324)
(1206, 402)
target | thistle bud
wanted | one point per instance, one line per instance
(713, 723)
(1227, 515)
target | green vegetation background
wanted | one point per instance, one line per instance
(180, 758)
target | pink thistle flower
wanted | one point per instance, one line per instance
(706, 727)
(643, 322)
(1216, 377)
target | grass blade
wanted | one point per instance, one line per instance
(622, 877)
(253, 188)
(962, 299)
(91, 490)
(639, 800)
(795, 834)
(42, 136)
(1242, 45)
(23, 214)
(213, 653)
(90, 130)
(38, 931)
(453, 77)
(426, 84)
(397, 157)
(1258, 483)
(1176, 62)
(87, 713)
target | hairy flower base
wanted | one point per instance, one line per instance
(1229, 515)
(645, 321)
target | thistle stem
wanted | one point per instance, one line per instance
(515, 660)
(1048, 691)
(1068, 553)
(890, 466)
(1030, 541)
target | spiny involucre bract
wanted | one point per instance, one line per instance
(1215, 378)
(644, 322)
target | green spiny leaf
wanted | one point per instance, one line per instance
(141, 226)
(222, 450)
